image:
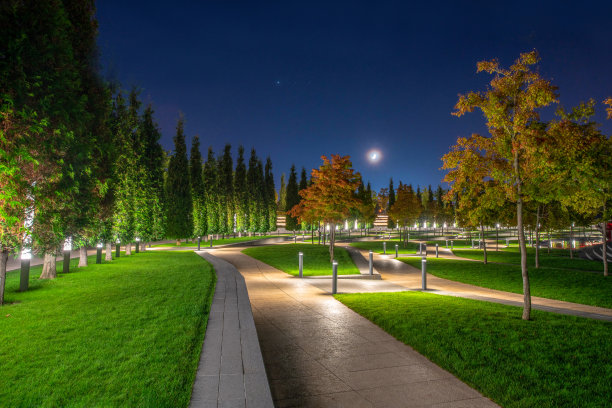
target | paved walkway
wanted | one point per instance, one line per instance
(319, 353)
(409, 277)
(231, 372)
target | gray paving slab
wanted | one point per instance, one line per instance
(231, 372)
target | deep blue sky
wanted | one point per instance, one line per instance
(297, 80)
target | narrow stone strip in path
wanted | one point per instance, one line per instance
(231, 372)
(319, 353)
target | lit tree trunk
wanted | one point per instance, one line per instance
(82, 256)
(484, 244)
(49, 271)
(178, 242)
(537, 245)
(128, 248)
(3, 261)
(522, 245)
(604, 249)
(109, 252)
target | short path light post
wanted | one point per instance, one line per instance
(334, 277)
(371, 263)
(396, 250)
(137, 245)
(211, 241)
(424, 272)
(118, 249)
(199, 242)
(301, 263)
(436, 250)
(24, 278)
(67, 251)
(507, 242)
(99, 253)
(295, 239)
(451, 245)
(447, 243)
(384, 248)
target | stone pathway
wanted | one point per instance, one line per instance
(319, 353)
(231, 372)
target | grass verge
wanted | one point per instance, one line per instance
(572, 286)
(204, 244)
(126, 333)
(377, 246)
(316, 259)
(552, 361)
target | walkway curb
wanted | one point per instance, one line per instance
(231, 371)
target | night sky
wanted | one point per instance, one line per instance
(297, 80)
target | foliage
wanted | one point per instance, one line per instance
(270, 193)
(197, 189)
(240, 192)
(391, 221)
(407, 207)
(178, 191)
(292, 199)
(513, 362)
(211, 195)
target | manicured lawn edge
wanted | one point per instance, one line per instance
(553, 360)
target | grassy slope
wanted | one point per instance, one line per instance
(552, 361)
(572, 286)
(126, 333)
(316, 259)
(558, 258)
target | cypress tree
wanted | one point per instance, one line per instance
(270, 193)
(262, 213)
(153, 163)
(391, 222)
(293, 199)
(255, 193)
(282, 194)
(226, 191)
(303, 180)
(211, 196)
(240, 193)
(179, 211)
(197, 189)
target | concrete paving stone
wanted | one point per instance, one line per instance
(205, 391)
(231, 386)
(231, 363)
(349, 399)
(302, 386)
(424, 393)
(380, 377)
(367, 362)
(257, 391)
(294, 368)
(252, 360)
(480, 402)
(232, 403)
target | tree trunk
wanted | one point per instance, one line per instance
(128, 248)
(49, 270)
(549, 241)
(537, 242)
(604, 249)
(178, 242)
(3, 261)
(522, 245)
(143, 247)
(332, 236)
(109, 252)
(484, 244)
(82, 256)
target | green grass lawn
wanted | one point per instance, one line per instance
(552, 361)
(204, 244)
(316, 259)
(572, 286)
(126, 333)
(558, 258)
(377, 246)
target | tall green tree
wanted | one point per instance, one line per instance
(241, 193)
(178, 190)
(391, 221)
(282, 194)
(270, 193)
(197, 189)
(210, 177)
(256, 193)
(225, 187)
(293, 199)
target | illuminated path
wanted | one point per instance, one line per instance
(317, 352)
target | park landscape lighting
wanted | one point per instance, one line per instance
(26, 254)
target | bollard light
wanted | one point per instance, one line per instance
(384, 248)
(447, 243)
(137, 245)
(396, 250)
(334, 277)
(424, 273)
(451, 245)
(371, 263)
(24, 278)
(199, 242)
(436, 250)
(211, 241)
(118, 249)
(301, 263)
(99, 253)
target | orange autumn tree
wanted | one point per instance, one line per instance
(331, 196)
(511, 107)
(406, 208)
(609, 108)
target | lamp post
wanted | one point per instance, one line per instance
(118, 249)
(424, 273)
(67, 251)
(199, 242)
(334, 277)
(24, 278)
(137, 245)
(301, 263)
(99, 253)
(371, 263)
